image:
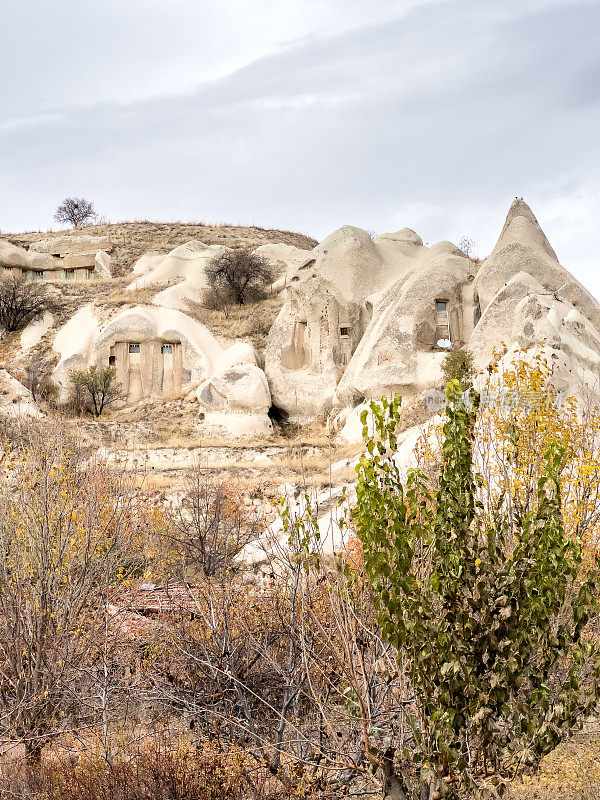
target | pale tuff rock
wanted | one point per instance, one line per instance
(68, 245)
(73, 343)
(355, 316)
(14, 257)
(305, 356)
(363, 318)
(237, 396)
(147, 262)
(103, 265)
(33, 332)
(322, 321)
(15, 399)
(330, 509)
(181, 274)
(161, 352)
(282, 258)
(62, 258)
(529, 300)
(155, 352)
(399, 351)
(237, 399)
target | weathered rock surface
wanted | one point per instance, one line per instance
(103, 265)
(57, 262)
(282, 257)
(67, 245)
(15, 399)
(160, 352)
(180, 274)
(12, 256)
(363, 318)
(236, 396)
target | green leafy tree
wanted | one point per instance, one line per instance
(101, 386)
(488, 621)
(458, 365)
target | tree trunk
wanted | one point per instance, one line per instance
(392, 788)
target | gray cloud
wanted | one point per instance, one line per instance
(434, 116)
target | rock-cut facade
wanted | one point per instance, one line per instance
(365, 318)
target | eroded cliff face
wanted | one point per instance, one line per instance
(359, 318)
(363, 318)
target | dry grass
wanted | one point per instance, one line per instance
(571, 772)
(132, 239)
(251, 322)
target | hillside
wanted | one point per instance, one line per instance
(132, 239)
(224, 473)
(164, 428)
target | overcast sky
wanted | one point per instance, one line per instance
(307, 115)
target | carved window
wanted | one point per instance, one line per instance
(112, 360)
(443, 339)
(344, 331)
(166, 348)
(134, 348)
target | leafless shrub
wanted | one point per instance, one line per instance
(38, 381)
(65, 538)
(295, 671)
(21, 302)
(160, 768)
(210, 526)
(239, 276)
(215, 300)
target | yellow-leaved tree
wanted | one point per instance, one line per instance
(521, 413)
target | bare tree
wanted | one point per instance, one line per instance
(295, 672)
(64, 541)
(466, 244)
(22, 301)
(75, 211)
(210, 526)
(37, 379)
(239, 276)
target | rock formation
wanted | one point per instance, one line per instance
(68, 258)
(181, 277)
(237, 395)
(363, 318)
(180, 274)
(358, 316)
(161, 352)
